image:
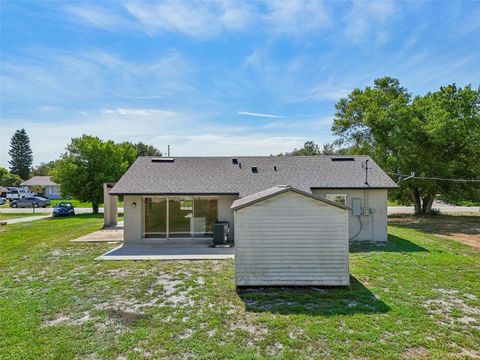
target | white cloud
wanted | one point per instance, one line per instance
(68, 78)
(325, 91)
(137, 112)
(98, 16)
(208, 19)
(367, 17)
(297, 17)
(246, 113)
(195, 19)
(187, 133)
(236, 15)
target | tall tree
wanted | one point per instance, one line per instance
(21, 154)
(44, 168)
(146, 150)
(433, 135)
(88, 163)
(312, 149)
(309, 149)
(328, 149)
(9, 179)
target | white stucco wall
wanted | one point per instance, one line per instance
(133, 221)
(133, 216)
(51, 194)
(374, 225)
(291, 239)
(225, 213)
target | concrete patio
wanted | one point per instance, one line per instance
(108, 234)
(125, 252)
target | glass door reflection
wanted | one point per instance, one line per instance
(180, 217)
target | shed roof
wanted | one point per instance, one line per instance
(38, 181)
(277, 190)
(220, 175)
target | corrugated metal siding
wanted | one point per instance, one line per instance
(291, 239)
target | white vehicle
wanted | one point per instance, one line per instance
(15, 193)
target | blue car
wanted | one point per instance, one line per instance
(63, 209)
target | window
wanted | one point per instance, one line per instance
(180, 217)
(338, 198)
(155, 218)
(206, 213)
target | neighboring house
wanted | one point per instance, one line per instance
(182, 197)
(51, 189)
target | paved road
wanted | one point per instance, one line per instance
(443, 209)
(48, 210)
(25, 219)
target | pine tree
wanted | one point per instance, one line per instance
(21, 154)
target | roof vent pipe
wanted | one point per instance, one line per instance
(254, 170)
(235, 161)
(240, 165)
(275, 168)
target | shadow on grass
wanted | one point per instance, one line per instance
(394, 244)
(325, 301)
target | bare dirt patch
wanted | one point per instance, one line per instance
(462, 228)
(452, 307)
(126, 316)
(416, 353)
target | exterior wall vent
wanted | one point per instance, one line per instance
(163, 160)
(343, 159)
(254, 170)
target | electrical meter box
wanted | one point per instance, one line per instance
(357, 206)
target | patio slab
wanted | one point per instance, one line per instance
(109, 234)
(167, 253)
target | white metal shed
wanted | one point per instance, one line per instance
(285, 236)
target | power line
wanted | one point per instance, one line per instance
(406, 177)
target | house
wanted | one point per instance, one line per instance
(50, 189)
(291, 218)
(182, 198)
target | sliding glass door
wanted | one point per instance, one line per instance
(180, 216)
(206, 213)
(155, 211)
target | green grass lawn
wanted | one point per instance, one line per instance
(18, 215)
(415, 297)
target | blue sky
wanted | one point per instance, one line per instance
(216, 78)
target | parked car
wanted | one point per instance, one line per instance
(63, 209)
(2, 200)
(31, 201)
(15, 193)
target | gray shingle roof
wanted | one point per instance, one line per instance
(38, 181)
(218, 175)
(277, 190)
